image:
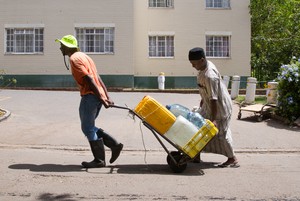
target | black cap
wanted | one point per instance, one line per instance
(196, 53)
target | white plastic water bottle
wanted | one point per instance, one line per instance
(178, 109)
(196, 119)
(193, 117)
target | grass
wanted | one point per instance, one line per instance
(258, 99)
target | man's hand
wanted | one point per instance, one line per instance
(215, 123)
(108, 103)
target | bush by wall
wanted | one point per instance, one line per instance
(289, 91)
(6, 82)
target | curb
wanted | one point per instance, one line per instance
(5, 116)
(130, 150)
(120, 89)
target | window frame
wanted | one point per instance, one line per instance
(155, 4)
(169, 45)
(228, 47)
(102, 36)
(24, 39)
(223, 7)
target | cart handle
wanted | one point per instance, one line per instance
(130, 111)
(120, 107)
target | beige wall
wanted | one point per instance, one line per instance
(59, 18)
(133, 20)
(189, 20)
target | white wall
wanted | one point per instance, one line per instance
(190, 20)
(59, 18)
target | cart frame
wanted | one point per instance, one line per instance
(177, 160)
(259, 110)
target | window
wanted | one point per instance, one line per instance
(96, 40)
(218, 46)
(217, 3)
(161, 3)
(24, 40)
(161, 46)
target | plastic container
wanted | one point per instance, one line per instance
(161, 81)
(155, 114)
(196, 119)
(193, 117)
(200, 139)
(181, 132)
(178, 109)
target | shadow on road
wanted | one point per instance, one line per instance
(192, 169)
(154, 169)
(47, 167)
(280, 125)
(52, 197)
(271, 122)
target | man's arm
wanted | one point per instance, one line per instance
(110, 102)
(214, 110)
(103, 86)
(93, 86)
(201, 103)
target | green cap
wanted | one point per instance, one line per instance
(69, 41)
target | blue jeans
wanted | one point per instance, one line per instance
(89, 109)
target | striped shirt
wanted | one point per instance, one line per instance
(211, 87)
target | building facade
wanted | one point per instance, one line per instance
(131, 41)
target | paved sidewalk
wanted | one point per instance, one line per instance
(42, 147)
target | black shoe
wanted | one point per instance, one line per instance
(97, 148)
(111, 143)
(115, 152)
(93, 164)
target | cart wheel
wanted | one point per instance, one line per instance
(239, 115)
(174, 154)
(177, 168)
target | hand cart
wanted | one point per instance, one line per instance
(177, 160)
(259, 110)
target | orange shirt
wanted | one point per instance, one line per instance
(82, 65)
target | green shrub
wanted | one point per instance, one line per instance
(258, 99)
(289, 91)
(6, 82)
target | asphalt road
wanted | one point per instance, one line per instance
(42, 147)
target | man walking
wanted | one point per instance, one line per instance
(215, 105)
(93, 95)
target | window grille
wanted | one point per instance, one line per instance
(218, 46)
(161, 3)
(24, 40)
(217, 3)
(161, 46)
(96, 40)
